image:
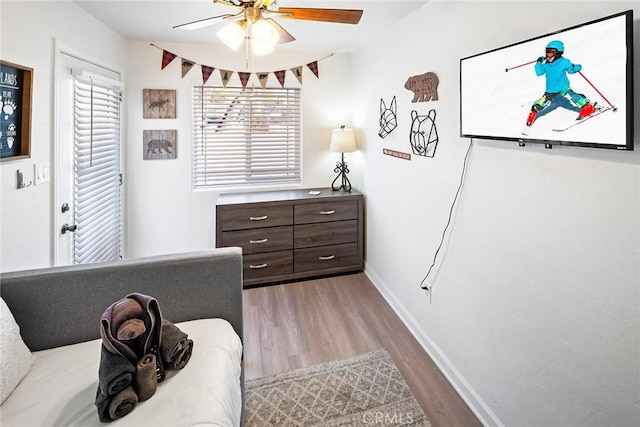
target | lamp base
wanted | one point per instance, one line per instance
(342, 169)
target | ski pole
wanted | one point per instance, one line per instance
(596, 89)
(529, 103)
(506, 70)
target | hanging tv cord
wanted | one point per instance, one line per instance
(424, 284)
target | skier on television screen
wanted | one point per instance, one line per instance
(555, 68)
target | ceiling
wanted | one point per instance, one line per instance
(152, 20)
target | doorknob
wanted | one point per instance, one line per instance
(67, 227)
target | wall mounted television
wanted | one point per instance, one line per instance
(499, 88)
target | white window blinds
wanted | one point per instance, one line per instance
(246, 137)
(97, 171)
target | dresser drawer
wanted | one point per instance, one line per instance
(258, 266)
(328, 233)
(292, 234)
(255, 216)
(326, 257)
(325, 211)
(260, 239)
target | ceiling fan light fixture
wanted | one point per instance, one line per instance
(260, 48)
(264, 37)
(262, 30)
(250, 13)
(233, 34)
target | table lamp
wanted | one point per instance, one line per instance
(342, 141)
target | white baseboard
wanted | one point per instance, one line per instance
(486, 416)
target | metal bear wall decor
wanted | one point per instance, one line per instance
(423, 135)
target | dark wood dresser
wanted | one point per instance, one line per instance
(293, 234)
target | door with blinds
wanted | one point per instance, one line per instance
(88, 180)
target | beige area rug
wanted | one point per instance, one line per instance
(365, 390)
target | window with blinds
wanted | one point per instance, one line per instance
(97, 171)
(246, 137)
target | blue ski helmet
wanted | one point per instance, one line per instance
(557, 45)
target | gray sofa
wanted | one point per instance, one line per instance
(59, 306)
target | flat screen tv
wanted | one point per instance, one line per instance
(547, 80)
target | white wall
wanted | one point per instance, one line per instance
(28, 33)
(535, 307)
(163, 214)
(534, 315)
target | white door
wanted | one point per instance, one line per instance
(72, 228)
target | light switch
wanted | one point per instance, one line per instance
(41, 173)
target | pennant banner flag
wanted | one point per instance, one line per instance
(313, 66)
(262, 78)
(244, 78)
(186, 66)
(167, 57)
(206, 73)
(297, 71)
(225, 75)
(280, 76)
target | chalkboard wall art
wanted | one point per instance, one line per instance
(16, 82)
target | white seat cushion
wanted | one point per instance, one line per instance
(61, 387)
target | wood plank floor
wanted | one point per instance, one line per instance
(299, 324)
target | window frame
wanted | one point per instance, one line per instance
(246, 137)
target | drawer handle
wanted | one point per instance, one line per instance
(326, 258)
(258, 218)
(255, 242)
(257, 266)
(331, 212)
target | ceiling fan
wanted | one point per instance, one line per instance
(254, 21)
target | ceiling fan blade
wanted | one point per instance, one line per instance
(344, 16)
(285, 36)
(200, 23)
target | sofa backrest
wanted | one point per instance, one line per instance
(62, 305)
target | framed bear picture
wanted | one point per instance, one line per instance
(159, 144)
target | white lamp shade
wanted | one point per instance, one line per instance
(232, 35)
(343, 141)
(263, 37)
(262, 30)
(260, 48)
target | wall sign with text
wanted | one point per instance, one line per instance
(16, 83)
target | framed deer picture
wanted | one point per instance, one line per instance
(159, 103)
